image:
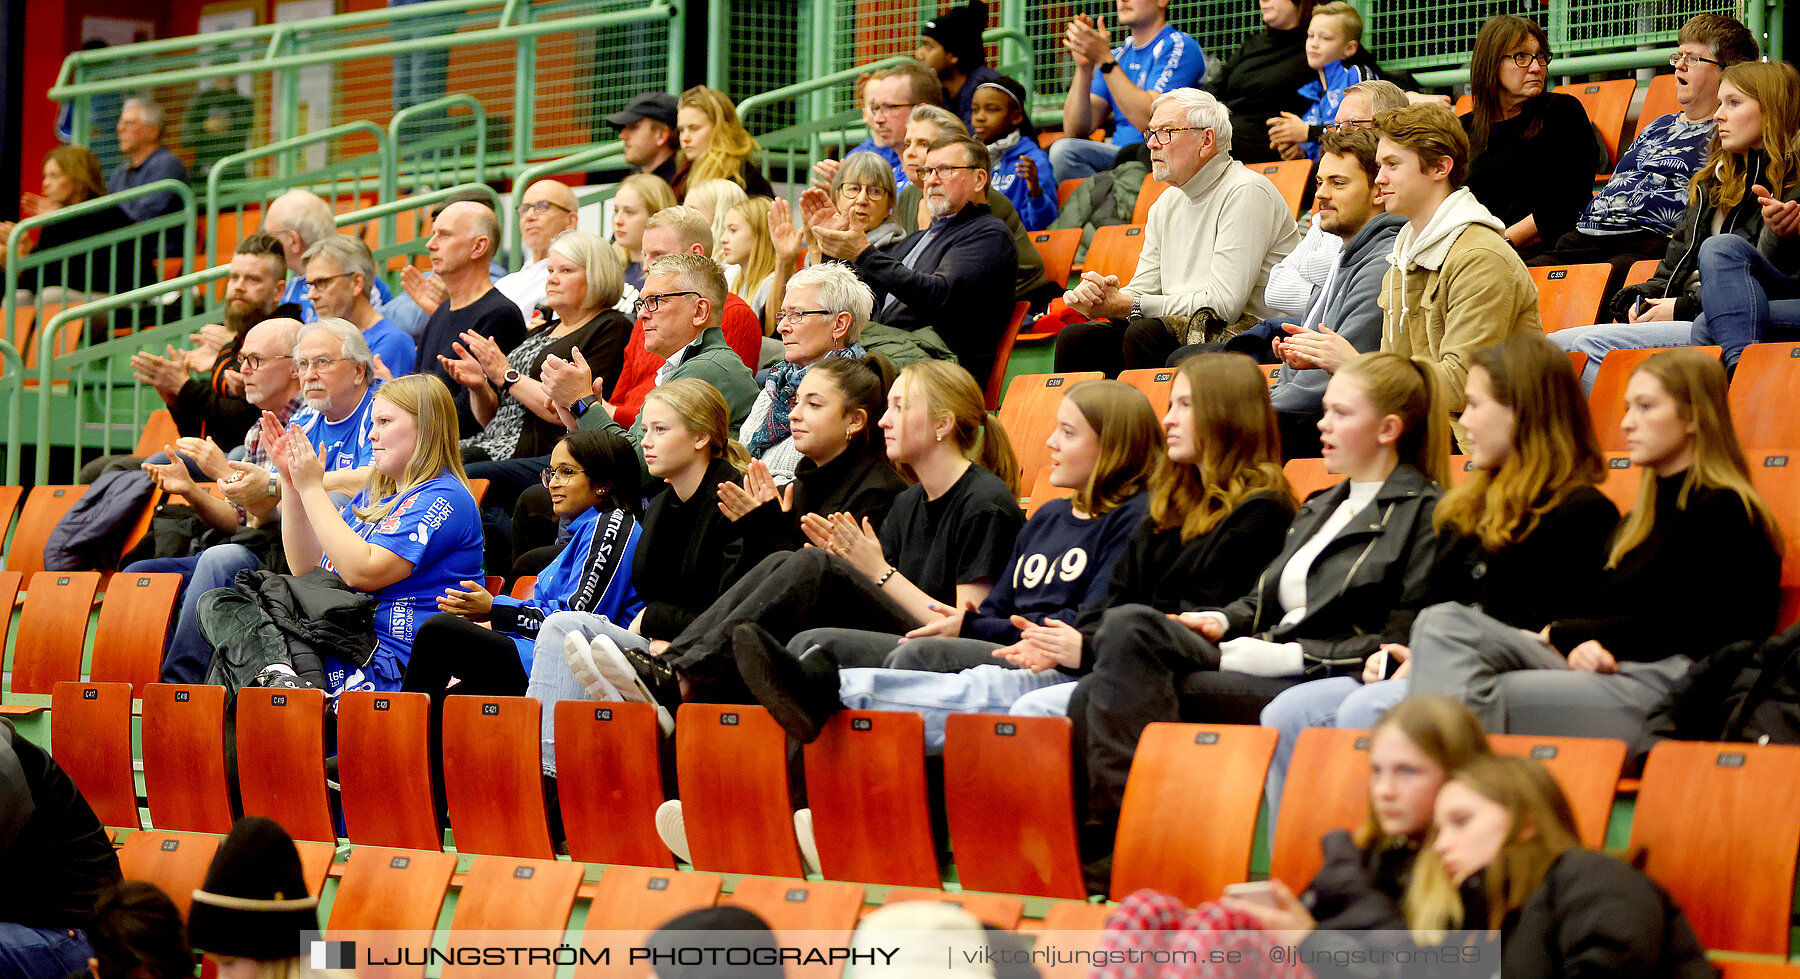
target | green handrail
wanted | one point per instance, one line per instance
(12, 377)
(388, 211)
(154, 228)
(215, 179)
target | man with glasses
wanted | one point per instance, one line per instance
(945, 291)
(1630, 219)
(203, 388)
(300, 219)
(1209, 243)
(547, 210)
(1119, 84)
(339, 270)
(463, 241)
(888, 99)
(680, 313)
(147, 160)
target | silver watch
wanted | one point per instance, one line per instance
(274, 486)
(1137, 307)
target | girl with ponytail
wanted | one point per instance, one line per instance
(1353, 570)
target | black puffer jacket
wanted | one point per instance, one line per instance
(267, 619)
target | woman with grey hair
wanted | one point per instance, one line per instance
(822, 314)
(518, 420)
(863, 190)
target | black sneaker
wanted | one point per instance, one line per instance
(801, 692)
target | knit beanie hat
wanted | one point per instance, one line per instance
(959, 31)
(254, 903)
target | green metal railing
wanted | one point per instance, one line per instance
(343, 178)
(134, 253)
(433, 148)
(530, 65)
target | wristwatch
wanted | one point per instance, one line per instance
(581, 406)
(274, 486)
(511, 377)
(1107, 69)
(1137, 308)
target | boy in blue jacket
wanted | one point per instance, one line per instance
(1022, 170)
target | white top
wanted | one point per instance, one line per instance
(1291, 588)
(525, 288)
(1297, 281)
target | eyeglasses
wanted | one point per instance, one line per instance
(882, 109)
(1680, 58)
(320, 364)
(540, 207)
(1524, 58)
(319, 284)
(655, 302)
(1347, 125)
(1166, 135)
(870, 191)
(562, 475)
(794, 314)
(255, 363)
(926, 173)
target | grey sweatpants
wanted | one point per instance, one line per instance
(1516, 683)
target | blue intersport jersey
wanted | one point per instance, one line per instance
(437, 528)
(343, 444)
(1327, 96)
(396, 350)
(1060, 563)
(870, 146)
(1170, 61)
(296, 294)
(592, 573)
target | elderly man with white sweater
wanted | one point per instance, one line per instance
(1209, 243)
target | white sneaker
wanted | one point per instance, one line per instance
(673, 830)
(611, 662)
(587, 672)
(809, 847)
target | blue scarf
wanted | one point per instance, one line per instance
(782, 382)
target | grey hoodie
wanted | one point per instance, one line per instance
(1349, 309)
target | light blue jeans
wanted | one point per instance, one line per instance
(1339, 701)
(551, 679)
(1600, 340)
(1078, 158)
(983, 689)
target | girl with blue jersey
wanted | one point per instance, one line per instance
(411, 532)
(593, 483)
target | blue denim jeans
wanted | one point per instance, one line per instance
(985, 689)
(188, 654)
(1598, 341)
(1077, 158)
(1747, 299)
(1338, 701)
(42, 953)
(551, 680)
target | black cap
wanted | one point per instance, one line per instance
(254, 903)
(659, 106)
(959, 31)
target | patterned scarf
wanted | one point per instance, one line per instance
(782, 382)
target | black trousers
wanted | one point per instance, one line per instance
(484, 662)
(1114, 345)
(787, 592)
(1149, 668)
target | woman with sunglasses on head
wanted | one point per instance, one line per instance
(1532, 152)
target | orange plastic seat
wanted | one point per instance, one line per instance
(1308, 476)
(1606, 402)
(133, 625)
(175, 862)
(1147, 195)
(1290, 177)
(1028, 413)
(994, 910)
(1057, 248)
(281, 760)
(1184, 775)
(183, 739)
(1327, 788)
(90, 737)
(1606, 104)
(493, 776)
(384, 770)
(43, 508)
(614, 782)
(731, 761)
(1718, 825)
(865, 783)
(1659, 100)
(628, 904)
(1764, 390)
(1043, 491)
(1586, 768)
(1570, 295)
(799, 907)
(384, 895)
(1009, 801)
(1115, 250)
(1622, 482)
(1778, 482)
(1641, 271)
(1155, 382)
(501, 897)
(52, 630)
